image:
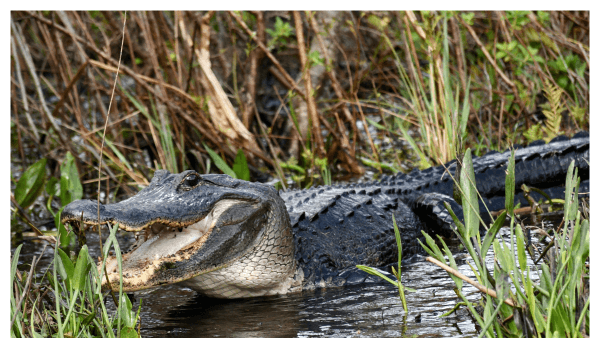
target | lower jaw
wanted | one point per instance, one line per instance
(133, 279)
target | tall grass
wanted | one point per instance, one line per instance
(550, 301)
(455, 74)
(434, 106)
(516, 303)
(77, 293)
(432, 76)
(396, 272)
(67, 300)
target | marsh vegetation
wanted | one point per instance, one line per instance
(290, 98)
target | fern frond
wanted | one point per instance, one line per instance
(554, 114)
(534, 133)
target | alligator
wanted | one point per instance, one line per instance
(229, 238)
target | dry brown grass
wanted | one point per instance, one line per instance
(202, 75)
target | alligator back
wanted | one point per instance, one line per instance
(337, 227)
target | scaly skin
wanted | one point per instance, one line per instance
(229, 238)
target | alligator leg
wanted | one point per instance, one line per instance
(431, 209)
(539, 165)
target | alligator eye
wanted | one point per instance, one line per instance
(190, 181)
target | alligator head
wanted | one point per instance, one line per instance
(200, 229)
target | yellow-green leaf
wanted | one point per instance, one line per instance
(30, 184)
(82, 267)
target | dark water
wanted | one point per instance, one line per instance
(370, 310)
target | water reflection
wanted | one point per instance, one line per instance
(181, 311)
(372, 310)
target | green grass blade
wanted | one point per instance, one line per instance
(569, 198)
(464, 117)
(490, 319)
(240, 166)
(13, 272)
(509, 187)
(32, 321)
(460, 227)
(66, 267)
(521, 248)
(219, 162)
(70, 185)
(398, 241)
(117, 248)
(491, 234)
(82, 267)
(582, 315)
(470, 204)
(14, 263)
(119, 154)
(423, 160)
(57, 294)
(434, 249)
(379, 165)
(457, 281)
(374, 272)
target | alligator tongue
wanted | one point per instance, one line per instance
(167, 242)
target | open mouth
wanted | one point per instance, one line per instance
(160, 245)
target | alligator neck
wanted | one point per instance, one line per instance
(269, 268)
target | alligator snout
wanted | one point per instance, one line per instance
(86, 211)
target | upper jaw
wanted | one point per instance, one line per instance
(176, 240)
(163, 201)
